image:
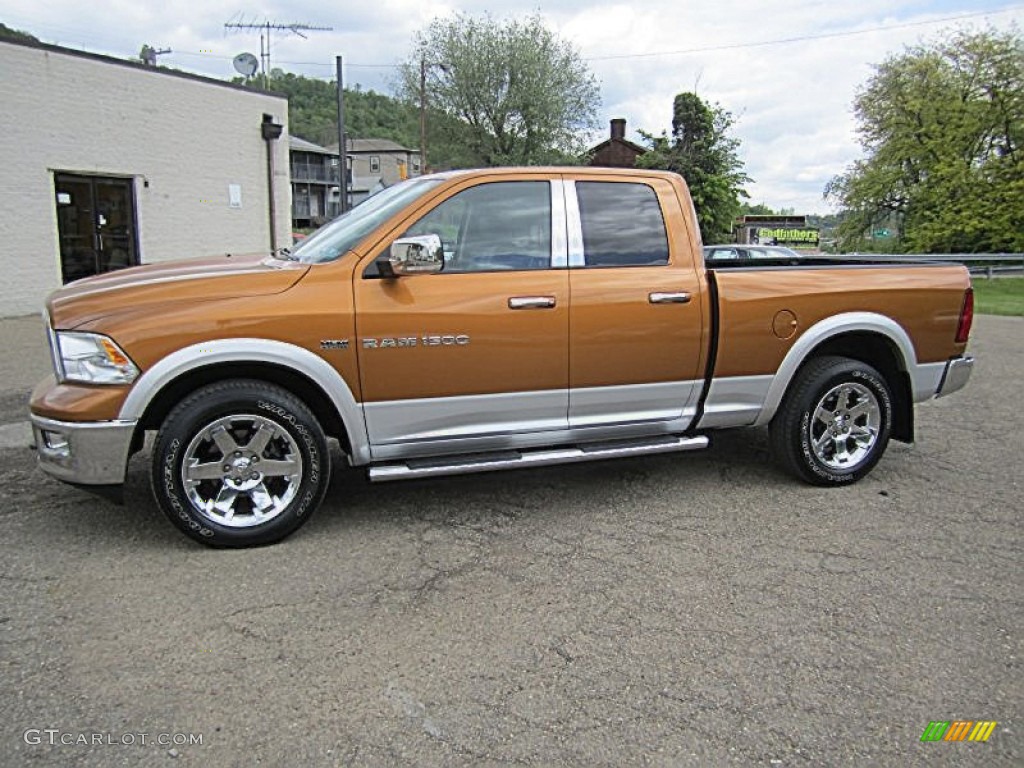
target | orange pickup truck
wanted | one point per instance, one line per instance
(482, 320)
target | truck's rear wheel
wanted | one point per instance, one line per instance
(833, 426)
(240, 463)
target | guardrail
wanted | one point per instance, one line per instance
(987, 265)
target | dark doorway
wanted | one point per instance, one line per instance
(95, 224)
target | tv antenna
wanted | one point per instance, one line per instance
(148, 54)
(265, 28)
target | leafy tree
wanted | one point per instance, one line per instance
(7, 33)
(942, 127)
(516, 94)
(702, 151)
(760, 209)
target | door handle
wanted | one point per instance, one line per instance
(531, 302)
(678, 297)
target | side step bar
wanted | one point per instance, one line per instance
(489, 462)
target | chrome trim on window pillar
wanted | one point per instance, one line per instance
(574, 226)
(559, 245)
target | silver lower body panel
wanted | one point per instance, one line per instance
(956, 375)
(85, 453)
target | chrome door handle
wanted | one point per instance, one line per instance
(531, 302)
(679, 297)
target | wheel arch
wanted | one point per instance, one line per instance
(869, 338)
(304, 374)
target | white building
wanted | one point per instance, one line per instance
(108, 163)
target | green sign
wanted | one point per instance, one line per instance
(786, 236)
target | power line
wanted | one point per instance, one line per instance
(803, 38)
(731, 46)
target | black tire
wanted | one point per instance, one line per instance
(843, 441)
(228, 432)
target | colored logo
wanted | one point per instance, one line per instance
(958, 730)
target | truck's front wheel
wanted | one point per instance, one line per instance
(834, 424)
(240, 463)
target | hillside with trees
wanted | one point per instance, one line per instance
(7, 33)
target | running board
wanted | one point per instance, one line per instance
(489, 462)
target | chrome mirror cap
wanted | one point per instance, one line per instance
(418, 255)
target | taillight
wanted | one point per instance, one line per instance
(963, 330)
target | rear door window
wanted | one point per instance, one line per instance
(622, 224)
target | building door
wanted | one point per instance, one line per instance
(95, 224)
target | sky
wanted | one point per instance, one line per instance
(788, 70)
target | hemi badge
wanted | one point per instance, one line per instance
(334, 344)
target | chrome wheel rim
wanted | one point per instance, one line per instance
(844, 426)
(241, 471)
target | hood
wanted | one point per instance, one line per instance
(129, 290)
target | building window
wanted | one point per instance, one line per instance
(374, 164)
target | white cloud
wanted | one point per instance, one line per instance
(791, 101)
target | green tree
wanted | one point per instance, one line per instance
(8, 33)
(702, 152)
(942, 127)
(514, 92)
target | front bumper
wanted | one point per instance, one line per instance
(955, 377)
(86, 452)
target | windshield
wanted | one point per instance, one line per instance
(337, 238)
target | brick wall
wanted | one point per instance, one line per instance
(615, 154)
(182, 141)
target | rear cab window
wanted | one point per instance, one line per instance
(623, 225)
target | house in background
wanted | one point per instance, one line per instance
(376, 164)
(373, 165)
(316, 184)
(616, 151)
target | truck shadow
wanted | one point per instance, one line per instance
(737, 457)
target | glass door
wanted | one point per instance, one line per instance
(95, 224)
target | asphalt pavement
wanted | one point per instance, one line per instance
(694, 609)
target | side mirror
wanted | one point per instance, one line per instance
(418, 255)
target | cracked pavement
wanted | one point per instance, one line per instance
(692, 609)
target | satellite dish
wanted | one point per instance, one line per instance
(246, 64)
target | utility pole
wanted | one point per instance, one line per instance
(342, 148)
(423, 113)
(424, 167)
(265, 27)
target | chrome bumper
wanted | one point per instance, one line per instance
(86, 453)
(955, 376)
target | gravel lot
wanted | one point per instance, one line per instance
(697, 609)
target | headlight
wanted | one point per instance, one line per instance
(93, 358)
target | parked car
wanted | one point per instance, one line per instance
(480, 320)
(735, 251)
